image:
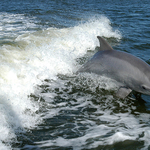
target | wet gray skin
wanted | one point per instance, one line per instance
(131, 72)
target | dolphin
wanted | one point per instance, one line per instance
(130, 72)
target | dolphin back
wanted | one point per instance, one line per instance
(94, 64)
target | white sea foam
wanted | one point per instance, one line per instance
(34, 57)
(98, 133)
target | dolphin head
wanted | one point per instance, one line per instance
(145, 89)
(143, 86)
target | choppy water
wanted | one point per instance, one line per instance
(43, 103)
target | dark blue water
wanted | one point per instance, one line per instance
(43, 104)
(130, 17)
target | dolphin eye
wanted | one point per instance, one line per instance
(143, 87)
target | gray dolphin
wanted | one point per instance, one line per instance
(131, 72)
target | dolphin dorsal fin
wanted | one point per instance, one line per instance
(103, 44)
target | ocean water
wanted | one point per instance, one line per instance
(44, 104)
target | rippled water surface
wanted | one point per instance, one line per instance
(44, 104)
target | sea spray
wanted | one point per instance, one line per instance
(35, 56)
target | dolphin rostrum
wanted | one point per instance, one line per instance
(131, 72)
